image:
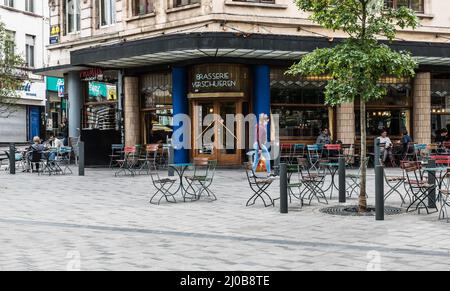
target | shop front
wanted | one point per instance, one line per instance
(219, 97)
(440, 104)
(100, 116)
(210, 75)
(56, 109)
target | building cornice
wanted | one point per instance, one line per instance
(221, 18)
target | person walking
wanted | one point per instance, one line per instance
(260, 145)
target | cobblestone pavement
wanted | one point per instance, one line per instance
(99, 222)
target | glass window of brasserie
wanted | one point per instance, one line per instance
(440, 105)
(300, 104)
(100, 106)
(392, 112)
(156, 107)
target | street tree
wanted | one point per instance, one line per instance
(12, 73)
(356, 65)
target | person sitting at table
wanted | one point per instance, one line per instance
(35, 151)
(324, 137)
(386, 148)
(442, 136)
(405, 141)
(58, 142)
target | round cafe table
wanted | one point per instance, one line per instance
(180, 169)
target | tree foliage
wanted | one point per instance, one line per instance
(12, 74)
(357, 64)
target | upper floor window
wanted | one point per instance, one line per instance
(9, 3)
(142, 7)
(72, 15)
(29, 49)
(179, 3)
(29, 5)
(9, 45)
(257, 1)
(107, 12)
(416, 5)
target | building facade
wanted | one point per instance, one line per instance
(197, 57)
(27, 21)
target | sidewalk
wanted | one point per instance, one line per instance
(99, 222)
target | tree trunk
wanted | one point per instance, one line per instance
(363, 169)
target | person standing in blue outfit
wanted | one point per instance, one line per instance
(406, 140)
(261, 143)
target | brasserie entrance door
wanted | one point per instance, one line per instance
(214, 135)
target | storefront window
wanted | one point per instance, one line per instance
(156, 107)
(392, 112)
(395, 121)
(100, 106)
(440, 105)
(300, 103)
(56, 109)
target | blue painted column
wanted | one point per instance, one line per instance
(261, 89)
(180, 106)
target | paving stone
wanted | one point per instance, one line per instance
(99, 222)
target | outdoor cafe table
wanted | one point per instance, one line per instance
(332, 168)
(180, 169)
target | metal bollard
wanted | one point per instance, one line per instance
(379, 192)
(171, 159)
(283, 189)
(12, 159)
(342, 186)
(431, 181)
(376, 152)
(81, 158)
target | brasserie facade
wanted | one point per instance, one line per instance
(227, 71)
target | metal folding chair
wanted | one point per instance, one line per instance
(394, 183)
(419, 187)
(314, 155)
(116, 154)
(298, 151)
(127, 164)
(313, 181)
(163, 185)
(419, 152)
(444, 198)
(63, 159)
(149, 158)
(286, 153)
(201, 180)
(352, 181)
(295, 184)
(259, 187)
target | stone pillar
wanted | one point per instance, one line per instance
(345, 127)
(422, 108)
(131, 111)
(75, 98)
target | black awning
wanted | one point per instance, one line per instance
(226, 40)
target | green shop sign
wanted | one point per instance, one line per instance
(55, 85)
(101, 92)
